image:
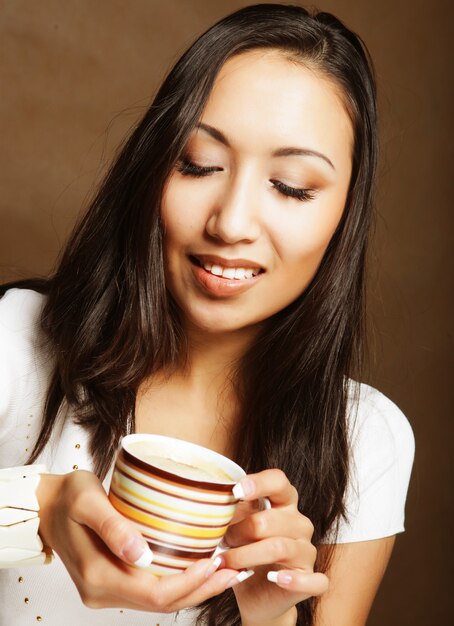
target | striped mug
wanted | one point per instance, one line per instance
(177, 494)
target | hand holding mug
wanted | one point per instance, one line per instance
(182, 497)
(274, 542)
(99, 547)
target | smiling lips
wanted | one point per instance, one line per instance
(224, 277)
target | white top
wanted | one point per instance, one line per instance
(381, 439)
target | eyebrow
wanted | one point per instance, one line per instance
(280, 152)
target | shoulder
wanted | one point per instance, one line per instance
(20, 311)
(379, 430)
(377, 423)
(382, 449)
(22, 342)
(20, 330)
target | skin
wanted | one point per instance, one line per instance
(261, 102)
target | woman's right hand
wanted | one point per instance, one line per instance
(98, 547)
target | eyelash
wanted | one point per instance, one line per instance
(293, 192)
(187, 168)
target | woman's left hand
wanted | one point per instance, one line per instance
(276, 540)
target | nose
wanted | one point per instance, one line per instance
(235, 216)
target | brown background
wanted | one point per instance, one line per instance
(70, 69)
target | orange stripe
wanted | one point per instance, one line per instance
(227, 516)
(151, 513)
(167, 525)
(152, 535)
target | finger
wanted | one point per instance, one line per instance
(212, 586)
(194, 585)
(309, 584)
(92, 508)
(120, 586)
(244, 509)
(296, 553)
(270, 523)
(272, 483)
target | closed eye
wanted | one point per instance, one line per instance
(293, 192)
(188, 168)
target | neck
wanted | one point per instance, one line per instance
(203, 388)
(214, 356)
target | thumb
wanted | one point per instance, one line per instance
(123, 539)
(95, 511)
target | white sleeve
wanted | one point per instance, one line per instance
(382, 457)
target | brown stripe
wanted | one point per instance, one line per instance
(167, 493)
(180, 545)
(176, 567)
(181, 554)
(167, 532)
(199, 485)
(168, 519)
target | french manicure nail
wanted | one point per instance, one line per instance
(239, 578)
(136, 551)
(145, 559)
(265, 504)
(243, 489)
(279, 577)
(214, 566)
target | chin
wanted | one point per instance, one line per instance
(215, 323)
(214, 327)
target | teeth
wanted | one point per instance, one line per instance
(216, 270)
(228, 272)
(238, 273)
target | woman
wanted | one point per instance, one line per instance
(214, 292)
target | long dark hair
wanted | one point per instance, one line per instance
(111, 322)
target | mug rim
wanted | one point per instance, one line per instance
(222, 485)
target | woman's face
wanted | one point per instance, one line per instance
(249, 211)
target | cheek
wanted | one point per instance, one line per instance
(302, 240)
(181, 216)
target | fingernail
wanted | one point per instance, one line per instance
(137, 552)
(145, 560)
(279, 577)
(265, 504)
(244, 489)
(214, 566)
(239, 578)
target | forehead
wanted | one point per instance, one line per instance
(264, 96)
